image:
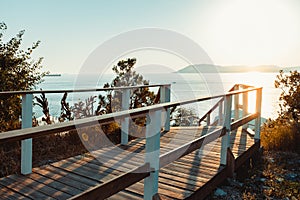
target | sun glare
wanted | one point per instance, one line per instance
(256, 32)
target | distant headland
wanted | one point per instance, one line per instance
(53, 75)
(210, 68)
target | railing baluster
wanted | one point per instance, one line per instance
(258, 109)
(236, 104)
(208, 119)
(125, 120)
(221, 113)
(245, 106)
(152, 153)
(226, 138)
(165, 96)
(26, 145)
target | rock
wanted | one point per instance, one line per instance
(279, 179)
(293, 198)
(262, 180)
(220, 193)
(291, 176)
(235, 183)
(265, 187)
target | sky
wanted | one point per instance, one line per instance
(231, 32)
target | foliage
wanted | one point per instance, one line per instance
(290, 96)
(42, 101)
(84, 109)
(184, 117)
(111, 102)
(282, 133)
(66, 112)
(18, 72)
(126, 76)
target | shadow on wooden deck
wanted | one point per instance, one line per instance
(192, 176)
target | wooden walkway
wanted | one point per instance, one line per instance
(181, 179)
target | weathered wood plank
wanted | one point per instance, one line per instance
(178, 179)
(53, 172)
(126, 195)
(36, 182)
(22, 188)
(6, 193)
(62, 179)
(115, 185)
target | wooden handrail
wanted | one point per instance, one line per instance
(115, 185)
(243, 121)
(65, 126)
(5, 93)
(210, 110)
(190, 146)
(222, 99)
(147, 169)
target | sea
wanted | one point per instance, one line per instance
(183, 86)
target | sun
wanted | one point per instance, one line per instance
(254, 32)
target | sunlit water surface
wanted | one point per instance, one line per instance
(183, 86)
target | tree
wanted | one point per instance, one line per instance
(139, 97)
(283, 133)
(18, 72)
(290, 96)
(126, 76)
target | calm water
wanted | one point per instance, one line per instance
(183, 86)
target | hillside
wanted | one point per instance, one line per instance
(209, 68)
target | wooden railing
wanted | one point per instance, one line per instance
(154, 161)
(27, 109)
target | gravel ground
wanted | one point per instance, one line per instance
(276, 176)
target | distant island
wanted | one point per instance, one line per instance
(53, 75)
(210, 68)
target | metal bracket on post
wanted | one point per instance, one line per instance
(226, 138)
(26, 145)
(258, 109)
(165, 96)
(125, 120)
(152, 153)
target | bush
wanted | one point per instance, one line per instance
(282, 133)
(19, 71)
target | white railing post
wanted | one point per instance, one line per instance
(125, 120)
(221, 113)
(245, 107)
(236, 104)
(258, 109)
(226, 138)
(165, 96)
(26, 145)
(208, 119)
(152, 153)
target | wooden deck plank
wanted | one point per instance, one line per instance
(126, 195)
(21, 187)
(56, 172)
(85, 171)
(177, 180)
(6, 193)
(42, 184)
(62, 179)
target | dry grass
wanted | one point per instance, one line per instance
(279, 135)
(50, 148)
